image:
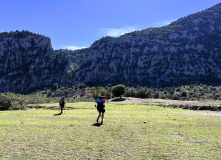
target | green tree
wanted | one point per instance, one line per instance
(118, 90)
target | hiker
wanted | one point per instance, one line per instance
(101, 108)
(62, 103)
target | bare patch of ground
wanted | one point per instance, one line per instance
(150, 100)
(200, 104)
(164, 101)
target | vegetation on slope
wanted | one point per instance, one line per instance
(84, 93)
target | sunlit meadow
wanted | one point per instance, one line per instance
(130, 131)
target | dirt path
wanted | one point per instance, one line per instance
(165, 101)
(149, 100)
(173, 102)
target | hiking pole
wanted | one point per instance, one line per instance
(59, 108)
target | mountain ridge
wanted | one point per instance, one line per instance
(186, 51)
(158, 56)
(28, 62)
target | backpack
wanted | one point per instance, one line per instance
(61, 102)
(100, 105)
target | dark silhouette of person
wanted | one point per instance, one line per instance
(62, 103)
(101, 108)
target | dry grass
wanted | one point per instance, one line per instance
(130, 131)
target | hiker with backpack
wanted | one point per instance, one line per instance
(62, 103)
(101, 108)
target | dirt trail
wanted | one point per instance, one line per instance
(149, 100)
(166, 101)
(173, 102)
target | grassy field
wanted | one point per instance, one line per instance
(130, 131)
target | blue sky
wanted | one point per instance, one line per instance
(75, 24)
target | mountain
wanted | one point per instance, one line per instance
(185, 52)
(75, 57)
(28, 62)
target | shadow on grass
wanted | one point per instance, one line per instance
(96, 124)
(57, 114)
(118, 99)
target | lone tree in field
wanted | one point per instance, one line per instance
(118, 90)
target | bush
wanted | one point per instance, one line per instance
(156, 95)
(184, 94)
(141, 94)
(148, 94)
(81, 86)
(129, 93)
(55, 86)
(10, 101)
(97, 92)
(176, 97)
(5, 102)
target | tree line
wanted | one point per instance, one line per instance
(185, 92)
(15, 101)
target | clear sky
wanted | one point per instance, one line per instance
(75, 24)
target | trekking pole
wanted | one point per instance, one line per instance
(59, 108)
(65, 107)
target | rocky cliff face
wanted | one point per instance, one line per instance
(186, 51)
(28, 62)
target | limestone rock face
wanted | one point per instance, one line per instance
(28, 62)
(185, 52)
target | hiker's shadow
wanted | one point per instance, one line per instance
(96, 124)
(57, 114)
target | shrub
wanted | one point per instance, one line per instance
(176, 97)
(184, 94)
(55, 86)
(5, 102)
(204, 87)
(96, 92)
(156, 95)
(108, 95)
(11, 101)
(81, 86)
(141, 94)
(148, 94)
(128, 93)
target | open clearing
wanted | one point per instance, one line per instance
(130, 131)
(165, 101)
